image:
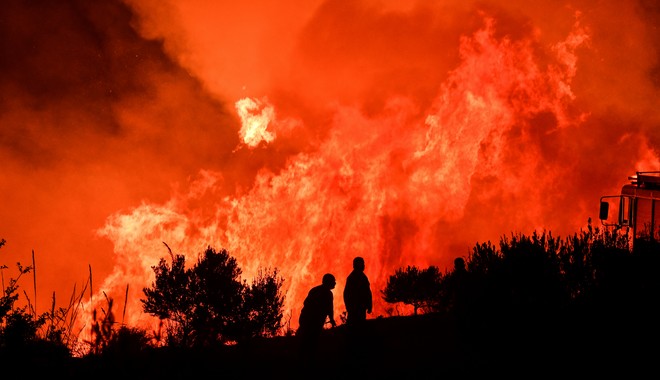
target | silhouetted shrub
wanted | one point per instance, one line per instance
(412, 286)
(20, 340)
(208, 303)
(529, 279)
(262, 305)
(127, 342)
(18, 326)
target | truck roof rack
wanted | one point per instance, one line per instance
(646, 179)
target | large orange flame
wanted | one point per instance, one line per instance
(298, 135)
(393, 187)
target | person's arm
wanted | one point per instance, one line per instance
(331, 311)
(370, 303)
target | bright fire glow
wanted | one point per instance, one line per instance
(254, 126)
(298, 137)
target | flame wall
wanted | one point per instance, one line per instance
(299, 135)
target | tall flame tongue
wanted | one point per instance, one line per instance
(392, 188)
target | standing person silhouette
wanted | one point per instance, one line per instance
(358, 302)
(357, 294)
(317, 308)
(459, 288)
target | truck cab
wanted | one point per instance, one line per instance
(636, 209)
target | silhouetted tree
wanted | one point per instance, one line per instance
(528, 276)
(170, 298)
(208, 303)
(483, 258)
(217, 292)
(412, 286)
(263, 305)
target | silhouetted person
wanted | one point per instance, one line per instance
(357, 294)
(461, 292)
(318, 307)
(358, 302)
(458, 286)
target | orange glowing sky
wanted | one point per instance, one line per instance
(299, 134)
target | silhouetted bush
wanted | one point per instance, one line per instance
(20, 339)
(127, 342)
(18, 326)
(209, 304)
(263, 302)
(528, 280)
(420, 288)
(533, 300)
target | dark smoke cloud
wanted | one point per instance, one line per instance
(93, 119)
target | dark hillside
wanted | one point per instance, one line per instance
(576, 343)
(534, 309)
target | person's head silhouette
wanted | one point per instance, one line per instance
(459, 264)
(329, 280)
(358, 263)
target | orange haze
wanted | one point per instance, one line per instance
(299, 134)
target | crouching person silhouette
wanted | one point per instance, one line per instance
(317, 308)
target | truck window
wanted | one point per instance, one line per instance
(625, 211)
(646, 219)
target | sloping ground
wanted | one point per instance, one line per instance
(399, 347)
(425, 346)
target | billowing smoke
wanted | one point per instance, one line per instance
(299, 136)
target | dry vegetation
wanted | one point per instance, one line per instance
(594, 313)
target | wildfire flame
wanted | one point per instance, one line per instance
(254, 127)
(298, 135)
(380, 187)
